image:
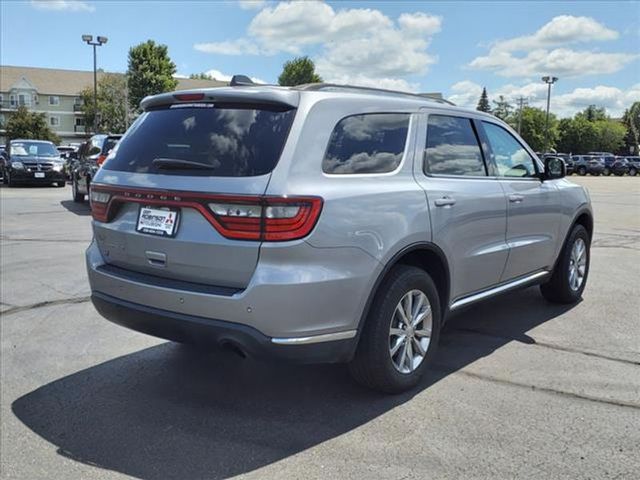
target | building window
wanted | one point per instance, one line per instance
(1, 99)
(54, 121)
(24, 99)
(12, 100)
(1, 120)
(79, 122)
(54, 100)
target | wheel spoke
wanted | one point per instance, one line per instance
(408, 307)
(418, 346)
(399, 343)
(417, 306)
(403, 315)
(424, 315)
(409, 354)
(397, 332)
(425, 332)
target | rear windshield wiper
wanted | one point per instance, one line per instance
(177, 164)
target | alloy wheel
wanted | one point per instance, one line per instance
(410, 331)
(577, 264)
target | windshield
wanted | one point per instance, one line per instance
(228, 140)
(33, 149)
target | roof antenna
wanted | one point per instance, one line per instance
(239, 80)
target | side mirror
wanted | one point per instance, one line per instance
(554, 167)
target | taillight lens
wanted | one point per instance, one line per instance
(262, 218)
(100, 160)
(99, 202)
(267, 218)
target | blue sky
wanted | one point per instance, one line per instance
(449, 47)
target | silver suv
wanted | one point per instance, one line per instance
(325, 223)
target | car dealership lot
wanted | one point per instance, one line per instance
(522, 388)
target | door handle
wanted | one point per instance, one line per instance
(516, 198)
(445, 202)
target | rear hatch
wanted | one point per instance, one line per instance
(174, 197)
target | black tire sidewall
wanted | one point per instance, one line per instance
(573, 295)
(376, 330)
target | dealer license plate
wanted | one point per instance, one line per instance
(158, 221)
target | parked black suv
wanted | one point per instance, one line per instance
(620, 166)
(583, 164)
(33, 162)
(91, 155)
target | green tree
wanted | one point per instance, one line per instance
(29, 125)
(483, 103)
(577, 135)
(502, 109)
(533, 126)
(201, 76)
(631, 120)
(298, 71)
(593, 113)
(150, 72)
(609, 135)
(113, 110)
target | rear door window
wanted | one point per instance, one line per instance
(223, 140)
(452, 147)
(368, 143)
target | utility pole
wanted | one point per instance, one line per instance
(549, 81)
(99, 41)
(522, 102)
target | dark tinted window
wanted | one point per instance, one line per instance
(452, 147)
(233, 141)
(108, 144)
(369, 143)
(510, 157)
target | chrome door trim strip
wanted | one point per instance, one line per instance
(326, 337)
(496, 290)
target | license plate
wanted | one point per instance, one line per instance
(158, 221)
(39, 174)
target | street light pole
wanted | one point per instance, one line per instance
(99, 41)
(549, 81)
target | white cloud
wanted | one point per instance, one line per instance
(615, 100)
(63, 5)
(218, 75)
(465, 94)
(546, 51)
(361, 46)
(251, 4)
(241, 46)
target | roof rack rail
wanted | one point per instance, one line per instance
(334, 87)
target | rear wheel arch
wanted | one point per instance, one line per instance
(426, 256)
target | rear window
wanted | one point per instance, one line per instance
(229, 140)
(369, 143)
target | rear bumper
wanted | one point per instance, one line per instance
(209, 332)
(302, 303)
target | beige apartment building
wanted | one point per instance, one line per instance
(56, 93)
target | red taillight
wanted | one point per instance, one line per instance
(189, 97)
(263, 218)
(101, 159)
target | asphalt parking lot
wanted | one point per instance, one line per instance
(522, 388)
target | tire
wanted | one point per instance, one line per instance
(633, 172)
(10, 181)
(582, 171)
(374, 365)
(559, 288)
(61, 184)
(75, 194)
(606, 171)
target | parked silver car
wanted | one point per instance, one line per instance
(324, 223)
